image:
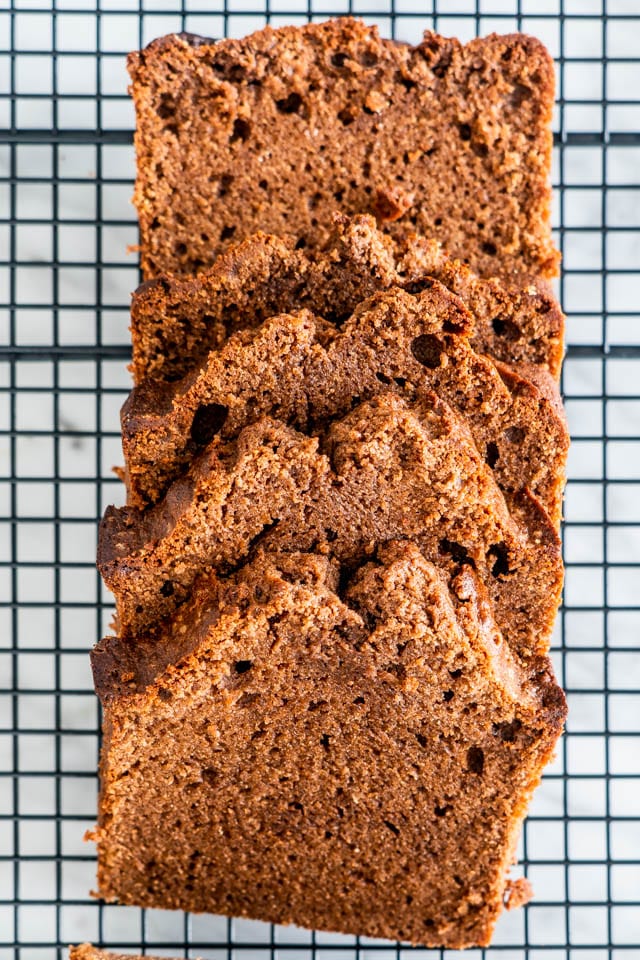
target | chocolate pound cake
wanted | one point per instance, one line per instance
(338, 569)
(344, 753)
(390, 469)
(275, 131)
(305, 371)
(176, 321)
(86, 951)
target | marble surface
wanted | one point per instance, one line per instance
(73, 224)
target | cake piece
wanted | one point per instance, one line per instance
(356, 759)
(389, 469)
(176, 321)
(517, 320)
(304, 371)
(276, 131)
(86, 951)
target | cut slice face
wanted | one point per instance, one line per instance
(516, 320)
(358, 762)
(390, 469)
(306, 372)
(176, 321)
(276, 131)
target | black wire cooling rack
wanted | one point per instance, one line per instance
(66, 169)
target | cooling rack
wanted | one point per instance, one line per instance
(66, 169)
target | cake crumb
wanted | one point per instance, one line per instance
(518, 893)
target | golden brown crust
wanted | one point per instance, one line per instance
(289, 117)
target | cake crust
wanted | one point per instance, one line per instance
(86, 951)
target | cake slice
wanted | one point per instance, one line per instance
(86, 951)
(176, 321)
(389, 469)
(353, 757)
(304, 371)
(276, 131)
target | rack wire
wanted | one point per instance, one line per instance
(66, 169)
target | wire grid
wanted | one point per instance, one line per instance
(66, 169)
